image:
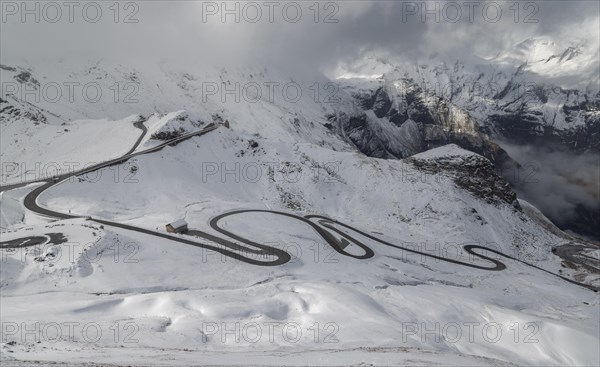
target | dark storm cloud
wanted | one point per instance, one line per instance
(559, 183)
(342, 30)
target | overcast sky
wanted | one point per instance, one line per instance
(339, 31)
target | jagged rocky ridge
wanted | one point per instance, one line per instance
(473, 173)
(399, 119)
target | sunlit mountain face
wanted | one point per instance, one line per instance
(296, 183)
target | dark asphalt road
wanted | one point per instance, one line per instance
(30, 201)
(574, 254)
(139, 124)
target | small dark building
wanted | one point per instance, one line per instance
(179, 226)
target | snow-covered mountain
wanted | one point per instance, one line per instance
(363, 158)
(117, 94)
(513, 97)
(508, 102)
(382, 108)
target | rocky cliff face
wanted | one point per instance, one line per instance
(398, 118)
(467, 105)
(574, 125)
(515, 104)
(471, 172)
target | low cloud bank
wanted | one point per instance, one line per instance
(563, 185)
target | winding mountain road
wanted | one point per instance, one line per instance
(30, 201)
(575, 254)
(61, 177)
(244, 249)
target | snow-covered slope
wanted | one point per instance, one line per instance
(50, 107)
(31, 152)
(158, 301)
(177, 302)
